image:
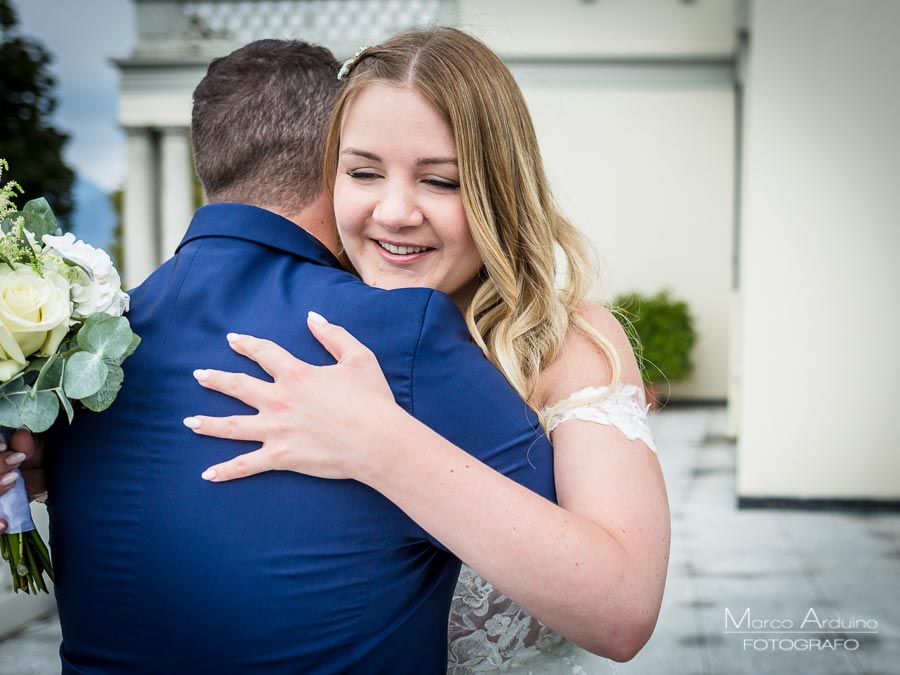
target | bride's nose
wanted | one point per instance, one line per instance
(397, 208)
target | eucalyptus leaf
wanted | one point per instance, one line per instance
(66, 404)
(107, 394)
(38, 411)
(41, 207)
(135, 341)
(51, 374)
(88, 325)
(110, 337)
(84, 375)
(95, 318)
(6, 225)
(35, 364)
(32, 221)
(75, 262)
(9, 411)
(14, 386)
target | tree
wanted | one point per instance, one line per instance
(28, 141)
(116, 246)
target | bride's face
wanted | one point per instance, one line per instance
(397, 198)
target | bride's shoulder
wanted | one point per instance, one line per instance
(582, 362)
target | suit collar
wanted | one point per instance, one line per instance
(251, 223)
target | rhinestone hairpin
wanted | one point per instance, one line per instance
(348, 64)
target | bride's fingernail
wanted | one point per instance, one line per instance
(201, 375)
(317, 319)
(232, 337)
(191, 422)
(209, 474)
(9, 479)
(15, 459)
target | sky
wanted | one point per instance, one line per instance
(83, 36)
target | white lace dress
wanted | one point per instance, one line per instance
(488, 632)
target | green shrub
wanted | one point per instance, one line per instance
(661, 332)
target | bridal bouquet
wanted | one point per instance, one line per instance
(62, 339)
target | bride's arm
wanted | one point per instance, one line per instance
(592, 568)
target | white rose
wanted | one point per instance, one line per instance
(104, 293)
(34, 316)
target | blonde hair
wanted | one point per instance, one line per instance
(517, 316)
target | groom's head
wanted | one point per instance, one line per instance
(259, 121)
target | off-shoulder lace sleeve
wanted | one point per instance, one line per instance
(624, 408)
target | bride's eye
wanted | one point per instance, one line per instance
(362, 174)
(442, 183)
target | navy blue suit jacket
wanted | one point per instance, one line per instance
(161, 572)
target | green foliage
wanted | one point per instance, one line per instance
(84, 375)
(104, 397)
(27, 138)
(36, 217)
(9, 411)
(115, 249)
(94, 374)
(38, 409)
(662, 334)
(106, 336)
(41, 208)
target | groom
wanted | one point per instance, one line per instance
(161, 572)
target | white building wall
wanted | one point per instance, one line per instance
(647, 173)
(820, 245)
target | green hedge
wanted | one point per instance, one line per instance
(661, 333)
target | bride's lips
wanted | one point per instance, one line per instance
(400, 258)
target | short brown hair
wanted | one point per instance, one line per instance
(259, 120)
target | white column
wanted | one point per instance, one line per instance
(139, 231)
(175, 194)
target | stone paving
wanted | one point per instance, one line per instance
(777, 564)
(773, 565)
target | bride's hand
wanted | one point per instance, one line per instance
(25, 453)
(315, 420)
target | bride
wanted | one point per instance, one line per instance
(438, 182)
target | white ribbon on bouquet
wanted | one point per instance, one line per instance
(14, 508)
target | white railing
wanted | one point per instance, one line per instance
(193, 31)
(325, 21)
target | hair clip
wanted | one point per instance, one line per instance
(349, 63)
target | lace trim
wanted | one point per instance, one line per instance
(624, 408)
(487, 630)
